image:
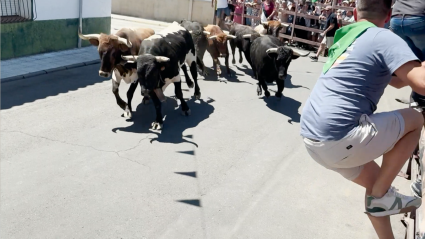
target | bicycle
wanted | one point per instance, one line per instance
(414, 173)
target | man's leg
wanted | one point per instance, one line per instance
(367, 179)
(378, 180)
(322, 47)
(394, 160)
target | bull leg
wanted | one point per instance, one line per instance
(217, 66)
(200, 61)
(179, 95)
(264, 85)
(226, 61)
(189, 81)
(233, 47)
(157, 124)
(130, 94)
(240, 56)
(115, 86)
(280, 87)
(191, 61)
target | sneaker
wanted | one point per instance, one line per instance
(416, 188)
(314, 58)
(391, 203)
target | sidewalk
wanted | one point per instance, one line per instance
(34, 65)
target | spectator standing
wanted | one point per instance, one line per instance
(268, 10)
(248, 7)
(329, 33)
(237, 17)
(222, 11)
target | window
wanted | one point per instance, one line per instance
(17, 10)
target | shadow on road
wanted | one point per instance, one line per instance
(288, 83)
(19, 92)
(174, 124)
(286, 106)
(212, 76)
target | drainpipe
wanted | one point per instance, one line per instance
(80, 26)
(189, 17)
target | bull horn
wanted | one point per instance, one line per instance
(297, 53)
(262, 34)
(124, 42)
(230, 36)
(162, 59)
(284, 24)
(212, 37)
(129, 58)
(246, 36)
(207, 32)
(190, 32)
(271, 50)
(226, 32)
(88, 36)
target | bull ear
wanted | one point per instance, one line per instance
(123, 47)
(94, 42)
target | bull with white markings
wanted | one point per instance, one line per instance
(158, 65)
(270, 28)
(270, 62)
(111, 48)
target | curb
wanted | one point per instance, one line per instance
(47, 71)
(141, 20)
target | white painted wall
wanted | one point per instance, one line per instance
(66, 9)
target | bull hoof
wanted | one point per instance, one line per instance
(198, 96)
(267, 93)
(127, 115)
(190, 84)
(186, 113)
(222, 80)
(156, 126)
(278, 95)
(233, 61)
(259, 91)
(145, 101)
(240, 60)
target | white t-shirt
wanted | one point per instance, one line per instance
(221, 4)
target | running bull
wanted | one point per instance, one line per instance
(270, 62)
(199, 36)
(111, 48)
(158, 65)
(217, 46)
(245, 35)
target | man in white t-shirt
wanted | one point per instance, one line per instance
(222, 9)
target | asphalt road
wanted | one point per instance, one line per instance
(72, 167)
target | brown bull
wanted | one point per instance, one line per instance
(271, 28)
(217, 46)
(111, 48)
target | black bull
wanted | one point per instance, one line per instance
(270, 61)
(199, 36)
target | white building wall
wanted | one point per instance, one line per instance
(67, 9)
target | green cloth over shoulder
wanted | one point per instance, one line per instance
(344, 37)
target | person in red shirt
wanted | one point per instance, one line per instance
(268, 8)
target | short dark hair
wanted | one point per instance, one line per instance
(373, 9)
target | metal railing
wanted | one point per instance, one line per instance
(17, 10)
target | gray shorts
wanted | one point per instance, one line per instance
(374, 136)
(221, 10)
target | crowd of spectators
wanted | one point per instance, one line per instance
(278, 10)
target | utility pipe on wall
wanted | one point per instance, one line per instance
(80, 26)
(189, 17)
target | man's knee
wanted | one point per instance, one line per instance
(413, 120)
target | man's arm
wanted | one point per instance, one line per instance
(397, 82)
(413, 74)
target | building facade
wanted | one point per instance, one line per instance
(37, 26)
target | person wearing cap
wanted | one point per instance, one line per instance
(329, 32)
(339, 124)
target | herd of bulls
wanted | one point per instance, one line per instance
(154, 59)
